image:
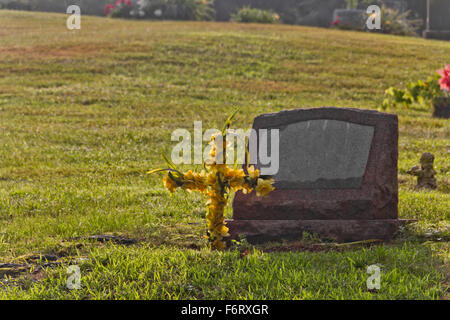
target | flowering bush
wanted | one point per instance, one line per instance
(216, 182)
(176, 9)
(444, 81)
(394, 22)
(247, 14)
(121, 9)
(422, 92)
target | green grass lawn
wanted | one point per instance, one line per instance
(84, 113)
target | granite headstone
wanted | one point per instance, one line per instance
(352, 18)
(337, 178)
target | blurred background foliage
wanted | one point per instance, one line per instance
(301, 12)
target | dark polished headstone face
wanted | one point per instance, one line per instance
(323, 153)
(336, 164)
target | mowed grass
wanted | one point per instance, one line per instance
(83, 115)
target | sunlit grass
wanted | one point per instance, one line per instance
(83, 115)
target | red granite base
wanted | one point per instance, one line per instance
(257, 231)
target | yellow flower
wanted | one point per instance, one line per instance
(237, 184)
(213, 136)
(264, 187)
(231, 174)
(235, 178)
(216, 200)
(219, 244)
(221, 168)
(246, 188)
(211, 179)
(200, 178)
(252, 173)
(189, 175)
(169, 184)
(212, 150)
(195, 181)
(222, 230)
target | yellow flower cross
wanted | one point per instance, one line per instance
(216, 183)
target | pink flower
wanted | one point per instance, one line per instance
(108, 8)
(335, 22)
(445, 78)
(128, 3)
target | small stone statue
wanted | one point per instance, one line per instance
(425, 173)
